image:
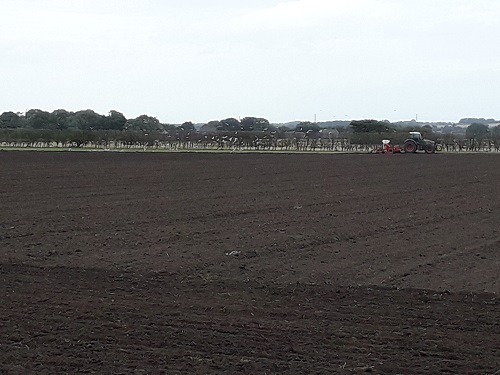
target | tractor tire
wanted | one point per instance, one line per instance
(410, 147)
(429, 148)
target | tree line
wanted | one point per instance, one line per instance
(88, 120)
(85, 127)
(85, 120)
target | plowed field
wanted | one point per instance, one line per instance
(249, 263)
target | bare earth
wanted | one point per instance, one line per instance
(249, 263)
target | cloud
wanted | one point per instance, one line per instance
(305, 54)
(58, 21)
(296, 13)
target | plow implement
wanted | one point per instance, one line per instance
(387, 148)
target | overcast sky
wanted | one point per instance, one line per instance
(202, 60)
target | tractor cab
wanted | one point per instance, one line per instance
(417, 136)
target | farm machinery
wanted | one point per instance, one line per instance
(411, 145)
(387, 148)
(417, 143)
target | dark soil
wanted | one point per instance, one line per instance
(249, 263)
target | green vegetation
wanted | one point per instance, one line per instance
(477, 131)
(371, 126)
(88, 129)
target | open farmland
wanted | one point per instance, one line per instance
(249, 263)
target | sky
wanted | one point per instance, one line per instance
(284, 60)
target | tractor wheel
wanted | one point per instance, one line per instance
(429, 148)
(410, 147)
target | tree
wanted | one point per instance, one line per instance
(62, 118)
(256, 124)
(187, 127)
(370, 126)
(477, 131)
(283, 129)
(114, 121)
(307, 127)
(426, 129)
(144, 123)
(82, 138)
(86, 120)
(229, 124)
(472, 120)
(38, 119)
(495, 135)
(10, 120)
(170, 129)
(211, 127)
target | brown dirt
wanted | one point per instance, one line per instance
(249, 263)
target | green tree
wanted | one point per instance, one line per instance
(170, 129)
(10, 120)
(477, 131)
(426, 129)
(187, 127)
(307, 127)
(85, 120)
(370, 126)
(495, 135)
(211, 127)
(256, 124)
(229, 124)
(283, 129)
(144, 123)
(38, 119)
(62, 119)
(114, 121)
